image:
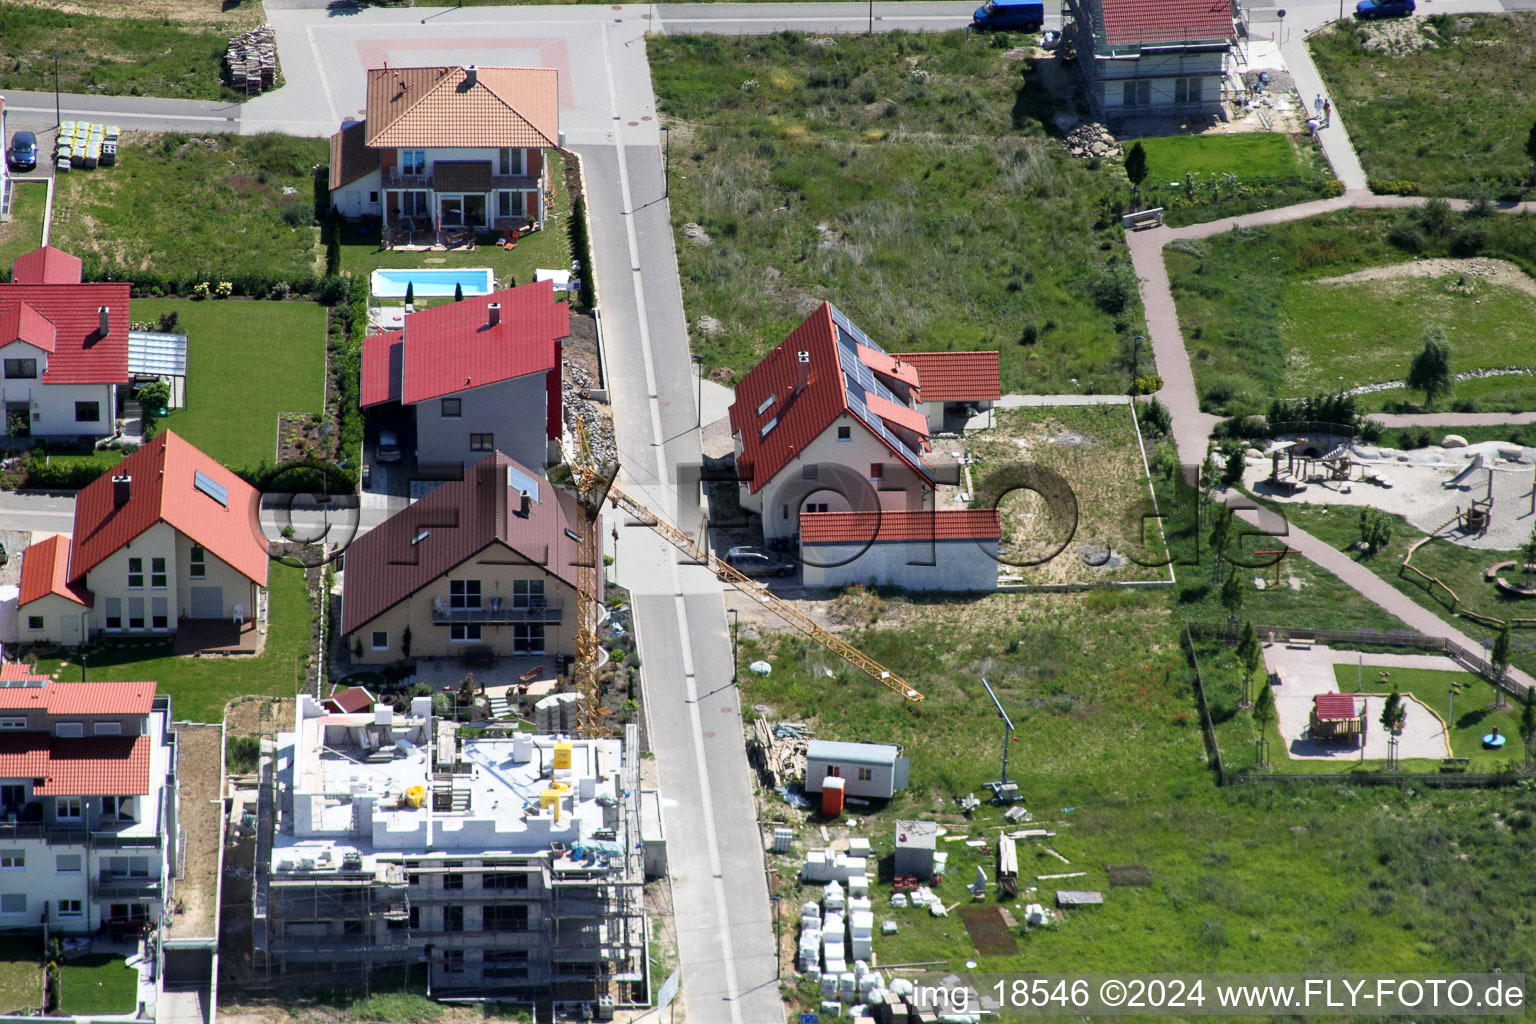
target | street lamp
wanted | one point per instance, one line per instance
(698, 405)
(1136, 363)
(735, 623)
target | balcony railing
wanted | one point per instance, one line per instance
(429, 182)
(66, 836)
(125, 887)
(496, 611)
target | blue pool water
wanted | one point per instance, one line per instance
(390, 284)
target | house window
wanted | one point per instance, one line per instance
(118, 807)
(510, 161)
(502, 883)
(1138, 93)
(379, 641)
(453, 919)
(808, 473)
(464, 631)
(34, 622)
(1187, 90)
(453, 408)
(845, 433)
(453, 960)
(413, 161)
(815, 506)
(68, 863)
(453, 881)
(160, 613)
(69, 730)
(833, 772)
(509, 204)
(11, 859)
(68, 808)
(373, 199)
(21, 369)
(135, 574)
(414, 204)
(11, 724)
(877, 471)
(87, 412)
(482, 442)
(527, 593)
(866, 775)
(13, 903)
(70, 908)
(506, 917)
(528, 638)
(157, 573)
(136, 612)
(464, 593)
(114, 613)
(107, 729)
(128, 867)
(197, 563)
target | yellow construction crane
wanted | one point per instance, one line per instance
(593, 485)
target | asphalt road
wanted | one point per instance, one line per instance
(131, 113)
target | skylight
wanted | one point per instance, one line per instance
(205, 483)
(766, 403)
(768, 426)
(423, 535)
(573, 535)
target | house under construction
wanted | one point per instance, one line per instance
(510, 866)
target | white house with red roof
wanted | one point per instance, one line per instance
(63, 349)
(89, 798)
(170, 539)
(1149, 57)
(830, 422)
(449, 147)
(478, 376)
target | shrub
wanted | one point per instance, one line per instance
(581, 249)
(1154, 417)
(296, 214)
(1469, 240)
(1331, 188)
(1405, 235)
(64, 476)
(169, 322)
(1115, 288)
(1393, 187)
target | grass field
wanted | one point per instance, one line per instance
(98, 983)
(189, 208)
(909, 179)
(1258, 325)
(1094, 450)
(115, 52)
(246, 362)
(21, 972)
(1485, 394)
(200, 687)
(1452, 117)
(1198, 178)
(24, 231)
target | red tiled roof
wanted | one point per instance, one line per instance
(45, 570)
(437, 106)
(1166, 21)
(453, 347)
(163, 490)
(95, 698)
(802, 415)
(455, 522)
(956, 376)
(896, 415)
(15, 672)
(888, 364)
(81, 355)
(889, 526)
(93, 766)
(350, 156)
(1333, 707)
(382, 356)
(349, 701)
(23, 323)
(46, 266)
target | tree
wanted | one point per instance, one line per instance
(1221, 536)
(458, 292)
(1393, 715)
(153, 397)
(1136, 164)
(332, 247)
(1528, 556)
(1431, 369)
(1530, 151)
(1498, 663)
(410, 293)
(357, 649)
(1375, 530)
(1263, 714)
(1528, 722)
(1232, 596)
(1249, 653)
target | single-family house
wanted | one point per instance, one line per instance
(954, 386)
(88, 789)
(449, 148)
(63, 349)
(1149, 57)
(874, 770)
(479, 376)
(485, 563)
(947, 549)
(169, 539)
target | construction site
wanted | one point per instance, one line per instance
(510, 865)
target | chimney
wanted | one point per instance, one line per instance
(494, 312)
(802, 371)
(523, 503)
(105, 312)
(120, 488)
(471, 72)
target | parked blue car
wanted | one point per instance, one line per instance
(1384, 8)
(23, 154)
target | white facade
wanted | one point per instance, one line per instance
(53, 409)
(953, 565)
(360, 198)
(514, 413)
(870, 770)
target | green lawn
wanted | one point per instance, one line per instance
(1475, 716)
(1485, 394)
(21, 973)
(1258, 325)
(98, 983)
(114, 54)
(1198, 178)
(909, 179)
(1449, 117)
(200, 687)
(1246, 154)
(24, 231)
(246, 362)
(178, 210)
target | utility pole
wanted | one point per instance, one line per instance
(735, 624)
(698, 407)
(58, 118)
(871, 17)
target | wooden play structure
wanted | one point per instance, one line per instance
(1334, 718)
(1306, 462)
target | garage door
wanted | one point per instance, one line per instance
(207, 602)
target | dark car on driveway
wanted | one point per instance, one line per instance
(757, 562)
(23, 151)
(1384, 8)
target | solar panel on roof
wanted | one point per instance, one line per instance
(215, 490)
(520, 481)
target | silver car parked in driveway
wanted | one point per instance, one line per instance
(751, 561)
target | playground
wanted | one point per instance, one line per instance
(1478, 496)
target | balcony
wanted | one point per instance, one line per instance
(495, 611)
(461, 177)
(122, 888)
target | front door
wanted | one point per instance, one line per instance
(474, 211)
(207, 602)
(18, 419)
(451, 211)
(69, 631)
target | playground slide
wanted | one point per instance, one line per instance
(1472, 467)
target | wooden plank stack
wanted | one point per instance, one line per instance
(252, 60)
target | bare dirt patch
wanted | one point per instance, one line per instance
(202, 13)
(1489, 271)
(198, 752)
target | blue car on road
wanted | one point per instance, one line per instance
(1384, 8)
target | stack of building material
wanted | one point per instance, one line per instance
(810, 937)
(783, 840)
(555, 715)
(861, 924)
(833, 898)
(252, 60)
(834, 948)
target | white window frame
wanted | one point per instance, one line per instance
(106, 728)
(69, 808)
(71, 908)
(158, 578)
(13, 860)
(135, 573)
(464, 633)
(373, 640)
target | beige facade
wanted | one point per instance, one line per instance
(497, 599)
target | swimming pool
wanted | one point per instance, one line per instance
(429, 284)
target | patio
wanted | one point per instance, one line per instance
(218, 636)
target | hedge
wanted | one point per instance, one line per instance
(326, 290)
(581, 248)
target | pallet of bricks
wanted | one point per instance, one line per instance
(252, 60)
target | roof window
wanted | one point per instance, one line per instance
(205, 483)
(763, 432)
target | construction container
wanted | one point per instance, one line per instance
(915, 842)
(832, 797)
